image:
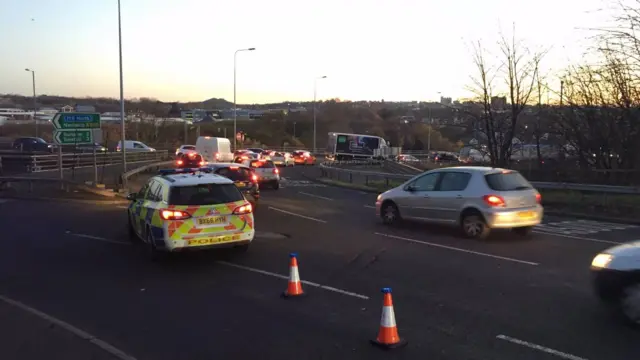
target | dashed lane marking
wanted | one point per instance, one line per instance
(97, 238)
(369, 206)
(544, 349)
(284, 277)
(458, 249)
(298, 215)
(315, 196)
(70, 328)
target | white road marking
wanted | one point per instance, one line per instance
(70, 328)
(539, 348)
(284, 277)
(576, 237)
(458, 249)
(369, 206)
(315, 196)
(298, 215)
(98, 238)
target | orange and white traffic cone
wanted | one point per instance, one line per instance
(295, 286)
(388, 337)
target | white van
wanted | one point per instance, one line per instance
(214, 149)
(132, 145)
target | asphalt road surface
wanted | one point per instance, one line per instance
(506, 298)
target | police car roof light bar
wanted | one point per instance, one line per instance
(165, 172)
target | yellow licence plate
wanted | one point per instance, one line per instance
(212, 220)
(527, 214)
(212, 240)
(240, 184)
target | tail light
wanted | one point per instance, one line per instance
(201, 163)
(494, 200)
(174, 214)
(254, 178)
(538, 198)
(217, 156)
(179, 162)
(276, 171)
(244, 209)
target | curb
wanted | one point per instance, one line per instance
(557, 213)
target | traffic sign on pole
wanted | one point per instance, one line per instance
(72, 137)
(76, 121)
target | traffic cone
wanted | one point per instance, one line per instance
(388, 337)
(295, 286)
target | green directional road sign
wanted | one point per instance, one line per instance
(76, 121)
(71, 137)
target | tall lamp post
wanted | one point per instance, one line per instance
(122, 129)
(35, 101)
(315, 93)
(235, 114)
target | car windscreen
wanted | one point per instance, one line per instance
(235, 173)
(507, 181)
(262, 164)
(188, 147)
(204, 194)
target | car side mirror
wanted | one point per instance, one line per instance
(410, 188)
(132, 196)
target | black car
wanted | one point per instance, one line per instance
(616, 279)
(32, 144)
(190, 160)
(243, 176)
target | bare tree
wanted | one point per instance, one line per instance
(502, 106)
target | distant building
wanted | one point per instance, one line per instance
(67, 108)
(445, 100)
(498, 102)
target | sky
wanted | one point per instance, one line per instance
(400, 50)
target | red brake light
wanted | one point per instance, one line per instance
(192, 155)
(201, 163)
(538, 198)
(174, 214)
(276, 171)
(244, 209)
(217, 156)
(493, 200)
(179, 162)
(254, 178)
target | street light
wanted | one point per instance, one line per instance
(235, 115)
(122, 129)
(35, 102)
(315, 92)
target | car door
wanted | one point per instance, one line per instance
(148, 206)
(415, 201)
(135, 209)
(449, 196)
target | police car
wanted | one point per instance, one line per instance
(190, 209)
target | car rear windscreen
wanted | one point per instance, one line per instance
(204, 194)
(262, 164)
(235, 174)
(189, 147)
(507, 181)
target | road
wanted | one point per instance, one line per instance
(506, 298)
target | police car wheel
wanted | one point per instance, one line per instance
(154, 254)
(242, 248)
(630, 305)
(275, 185)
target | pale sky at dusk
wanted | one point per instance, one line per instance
(183, 50)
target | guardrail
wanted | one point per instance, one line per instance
(125, 177)
(369, 178)
(40, 163)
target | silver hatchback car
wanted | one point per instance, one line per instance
(477, 199)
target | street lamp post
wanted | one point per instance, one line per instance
(315, 93)
(235, 114)
(35, 101)
(122, 128)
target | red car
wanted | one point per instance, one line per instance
(301, 157)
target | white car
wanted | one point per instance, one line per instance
(282, 159)
(267, 173)
(185, 149)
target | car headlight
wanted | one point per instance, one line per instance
(601, 261)
(379, 197)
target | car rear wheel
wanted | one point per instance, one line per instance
(390, 214)
(154, 253)
(474, 227)
(523, 231)
(630, 304)
(275, 185)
